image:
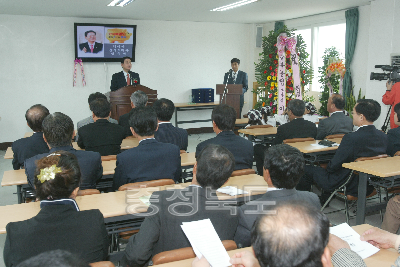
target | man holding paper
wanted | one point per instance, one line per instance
(161, 230)
(296, 234)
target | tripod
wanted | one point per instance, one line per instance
(385, 124)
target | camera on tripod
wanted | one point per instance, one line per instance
(392, 73)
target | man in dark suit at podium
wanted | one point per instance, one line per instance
(125, 77)
(236, 76)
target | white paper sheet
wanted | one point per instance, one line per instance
(205, 241)
(231, 190)
(362, 248)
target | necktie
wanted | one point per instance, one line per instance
(91, 48)
(128, 79)
(234, 77)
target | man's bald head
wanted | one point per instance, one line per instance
(35, 116)
(295, 236)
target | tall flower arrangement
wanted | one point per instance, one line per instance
(327, 82)
(267, 68)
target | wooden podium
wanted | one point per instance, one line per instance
(120, 99)
(233, 92)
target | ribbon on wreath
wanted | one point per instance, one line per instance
(290, 44)
(335, 66)
(78, 61)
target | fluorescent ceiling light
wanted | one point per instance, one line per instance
(120, 3)
(233, 5)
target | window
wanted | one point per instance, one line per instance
(318, 38)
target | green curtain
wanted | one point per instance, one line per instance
(278, 25)
(350, 46)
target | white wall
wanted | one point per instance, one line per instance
(381, 43)
(172, 57)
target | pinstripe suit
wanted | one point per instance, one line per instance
(241, 78)
(167, 133)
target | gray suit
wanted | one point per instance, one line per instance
(337, 123)
(247, 213)
(86, 122)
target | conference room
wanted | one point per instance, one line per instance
(179, 46)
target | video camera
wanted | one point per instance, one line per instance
(393, 76)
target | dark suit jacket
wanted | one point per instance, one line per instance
(96, 48)
(367, 141)
(247, 213)
(241, 148)
(102, 136)
(162, 231)
(57, 227)
(167, 133)
(337, 123)
(150, 160)
(89, 163)
(124, 122)
(393, 141)
(28, 147)
(241, 78)
(297, 128)
(118, 80)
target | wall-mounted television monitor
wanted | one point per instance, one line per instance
(104, 42)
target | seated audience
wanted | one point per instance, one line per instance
(283, 167)
(28, 147)
(310, 114)
(138, 99)
(367, 141)
(296, 234)
(166, 132)
(59, 224)
(58, 130)
(101, 136)
(150, 160)
(54, 258)
(394, 134)
(162, 230)
(224, 118)
(297, 127)
(89, 119)
(338, 122)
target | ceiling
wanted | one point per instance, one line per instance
(178, 10)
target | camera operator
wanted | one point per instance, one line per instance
(392, 97)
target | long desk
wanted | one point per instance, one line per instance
(259, 132)
(193, 106)
(383, 258)
(111, 204)
(18, 177)
(127, 143)
(387, 168)
(313, 153)
(187, 160)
